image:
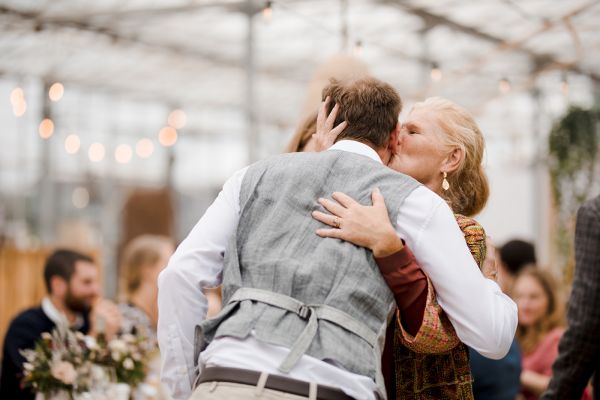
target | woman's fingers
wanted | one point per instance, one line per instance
(322, 115)
(332, 233)
(377, 198)
(333, 207)
(338, 129)
(344, 199)
(327, 219)
(331, 117)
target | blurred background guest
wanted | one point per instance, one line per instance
(73, 302)
(541, 325)
(303, 138)
(496, 379)
(513, 256)
(143, 259)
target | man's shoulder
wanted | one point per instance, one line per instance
(30, 319)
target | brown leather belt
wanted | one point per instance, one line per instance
(274, 382)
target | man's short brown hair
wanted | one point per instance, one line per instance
(369, 106)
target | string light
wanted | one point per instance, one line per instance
(20, 109)
(17, 96)
(167, 136)
(46, 128)
(96, 152)
(144, 148)
(56, 91)
(17, 99)
(564, 84)
(72, 144)
(267, 11)
(177, 119)
(358, 48)
(80, 197)
(504, 85)
(123, 153)
(436, 72)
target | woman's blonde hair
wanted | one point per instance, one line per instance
(530, 336)
(303, 134)
(469, 189)
(142, 252)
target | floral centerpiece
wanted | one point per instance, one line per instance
(69, 364)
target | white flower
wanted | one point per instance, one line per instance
(64, 372)
(91, 342)
(46, 336)
(28, 366)
(117, 345)
(115, 355)
(127, 337)
(128, 363)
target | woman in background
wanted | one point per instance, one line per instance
(143, 259)
(541, 325)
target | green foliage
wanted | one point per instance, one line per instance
(574, 163)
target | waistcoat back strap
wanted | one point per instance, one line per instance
(312, 312)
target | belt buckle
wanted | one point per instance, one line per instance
(304, 311)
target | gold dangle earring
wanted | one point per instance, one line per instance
(445, 184)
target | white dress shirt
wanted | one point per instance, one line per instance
(484, 318)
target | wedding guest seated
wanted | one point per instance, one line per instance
(496, 379)
(541, 325)
(513, 257)
(73, 302)
(143, 259)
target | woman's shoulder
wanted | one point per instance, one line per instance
(474, 236)
(469, 225)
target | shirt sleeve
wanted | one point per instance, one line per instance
(196, 264)
(484, 318)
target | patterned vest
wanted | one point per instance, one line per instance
(315, 296)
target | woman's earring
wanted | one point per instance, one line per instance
(445, 184)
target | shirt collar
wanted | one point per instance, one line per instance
(353, 146)
(58, 317)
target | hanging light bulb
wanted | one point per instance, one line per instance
(46, 128)
(167, 136)
(72, 144)
(436, 72)
(123, 153)
(267, 11)
(564, 84)
(358, 48)
(144, 148)
(56, 91)
(20, 108)
(504, 85)
(17, 99)
(96, 152)
(17, 96)
(177, 119)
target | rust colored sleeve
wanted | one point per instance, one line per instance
(409, 285)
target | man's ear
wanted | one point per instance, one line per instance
(58, 286)
(453, 160)
(393, 144)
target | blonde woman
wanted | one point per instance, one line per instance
(143, 259)
(441, 146)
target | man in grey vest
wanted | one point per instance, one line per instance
(305, 316)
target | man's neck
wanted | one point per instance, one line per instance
(383, 152)
(61, 306)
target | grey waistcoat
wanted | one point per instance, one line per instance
(321, 297)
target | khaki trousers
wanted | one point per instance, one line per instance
(237, 391)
